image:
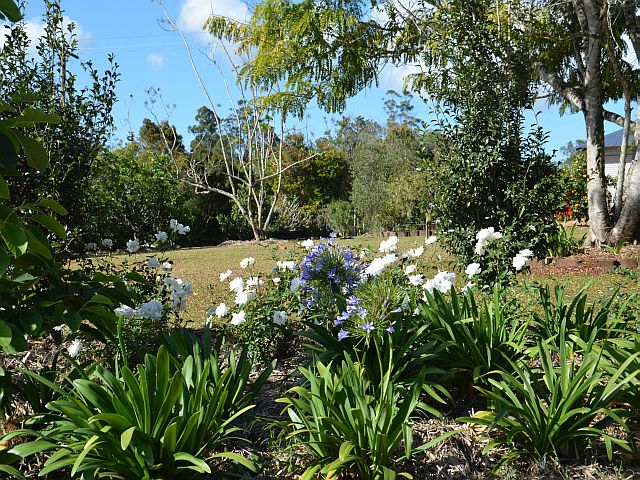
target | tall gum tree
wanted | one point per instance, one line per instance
(329, 50)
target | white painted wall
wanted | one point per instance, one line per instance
(611, 157)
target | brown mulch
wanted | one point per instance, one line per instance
(591, 261)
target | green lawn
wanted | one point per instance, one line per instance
(202, 267)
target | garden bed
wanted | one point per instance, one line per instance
(591, 261)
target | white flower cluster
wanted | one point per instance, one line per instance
(179, 291)
(486, 237)
(389, 245)
(522, 259)
(178, 227)
(287, 265)
(308, 244)
(153, 310)
(415, 253)
(247, 262)
(161, 236)
(430, 240)
(379, 265)
(473, 269)
(107, 243)
(443, 281)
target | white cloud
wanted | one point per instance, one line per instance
(194, 13)
(35, 29)
(155, 60)
(392, 76)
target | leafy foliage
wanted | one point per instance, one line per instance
(160, 422)
(554, 412)
(478, 341)
(133, 194)
(353, 426)
(47, 82)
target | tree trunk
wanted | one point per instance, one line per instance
(628, 222)
(594, 119)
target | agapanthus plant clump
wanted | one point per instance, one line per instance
(260, 308)
(329, 274)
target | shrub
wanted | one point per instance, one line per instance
(338, 217)
(477, 340)
(160, 422)
(264, 312)
(556, 411)
(351, 425)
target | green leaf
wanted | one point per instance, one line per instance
(5, 334)
(52, 224)
(29, 448)
(31, 116)
(31, 322)
(15, 238)
(8, 155)
(4, 189)
(53, 205)
(4, 262)
(37, 156)
(125, 438)
(10, 10)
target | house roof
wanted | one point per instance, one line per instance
(613, 139)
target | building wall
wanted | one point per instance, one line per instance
(611, 157)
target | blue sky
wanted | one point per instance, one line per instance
(150, 57)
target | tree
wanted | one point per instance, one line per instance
(47, 81)
(251, 145)
(330, 50)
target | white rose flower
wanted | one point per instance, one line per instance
(415, 253)
(245, 296)
(443, 281)
(525, 253)
(221, 310)
(247, 262)
(279, 317)
(288, 265)
(519, 262)
(378, 265)
(390, 245)
(153, 262)
(107, 242)
(236, 285)
(124, 311)
(133, 246)
(255, 282)
(75, 348)
(225, 275)
(152, 310)
(473, 269)
(238, 318)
